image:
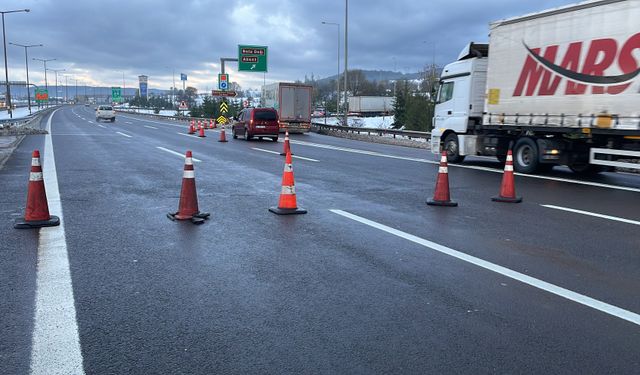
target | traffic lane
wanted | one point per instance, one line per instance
(18, 261)
(249, 296)
(246, 157)
(620, 179)
(526, 237)
(539, 250)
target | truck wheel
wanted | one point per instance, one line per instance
(452, 148)
(235, 136)
(525, 158)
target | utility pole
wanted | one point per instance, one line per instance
(6, 69)
(26, 62)
(346, 87)
(46, 83)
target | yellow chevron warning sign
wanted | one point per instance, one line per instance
(224, 108)
(221, 120)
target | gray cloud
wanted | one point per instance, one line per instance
(96, 41)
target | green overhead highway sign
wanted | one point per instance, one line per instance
(252, 58)
(116, 94)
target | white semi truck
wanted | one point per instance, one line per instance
(560, 87)
(293, 103)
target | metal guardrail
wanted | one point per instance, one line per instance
(17, 122)
(369, 131)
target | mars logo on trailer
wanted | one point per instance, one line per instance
(541, 72)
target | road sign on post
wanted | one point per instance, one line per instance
(252, 58)
(223, 81)
(42, 95)
(116, 94)
(223, 93)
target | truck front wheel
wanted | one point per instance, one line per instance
(526, 156)
(452, 147)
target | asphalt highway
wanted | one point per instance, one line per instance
(370, 280)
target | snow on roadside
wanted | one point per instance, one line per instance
(379, 122)
(18, 112)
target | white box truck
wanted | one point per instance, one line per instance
(371, 105)
(293, 103)
(561, 87)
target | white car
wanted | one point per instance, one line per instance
(105, 112)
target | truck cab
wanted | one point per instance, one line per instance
(460, 103)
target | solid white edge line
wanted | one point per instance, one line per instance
(602, 216)
(102, 126)
(175, 153)
(55, 340)
(277, 153)
(477, 168)
(149, 126)
(126, 135)
(536, 283)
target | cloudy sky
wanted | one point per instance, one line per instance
(96, 41)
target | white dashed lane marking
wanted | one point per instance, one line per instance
(515, 275)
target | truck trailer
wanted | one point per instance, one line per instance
(293, 103)
(559, 87)
(371, 105)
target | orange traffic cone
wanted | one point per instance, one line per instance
(287, 204)
(441, 196)
(37, 210)
(286, 147)
(188, 207)
(192, 128)
(201, 133)
(199, 124)
(215, 124)
(210, 124)
(223, 135)
(508, 187)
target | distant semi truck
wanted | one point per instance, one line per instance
(561, 87)
(371, 105)
(293, 103)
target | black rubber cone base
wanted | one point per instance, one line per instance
(506, 199)
(23, 224)
(433, 202)
(222, 140)
(287, 211)
(198, 218)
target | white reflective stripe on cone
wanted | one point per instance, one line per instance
(443, 170)
(508, 168)
(35, 176)
(35, 162)
(443, 159)
(509, 158)
(288, 168)
(288, 190)
(189, 174)
(188, 161)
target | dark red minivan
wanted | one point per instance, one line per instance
(257, 123)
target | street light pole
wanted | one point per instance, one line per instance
(346, 87)
(56, 72)
(46, 83)
(6, 69)
(26, 62)
(338, 76)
